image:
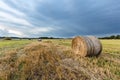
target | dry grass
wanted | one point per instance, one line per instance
(38, 61)
(48, 60)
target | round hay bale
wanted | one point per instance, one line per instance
(86, 46)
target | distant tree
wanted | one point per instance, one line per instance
(46, 38)
(7, 38)
(43, 37)
(118, 37)
(29, 39)
(51, 38)
(113, 37)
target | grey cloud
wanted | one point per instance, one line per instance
(68, 17)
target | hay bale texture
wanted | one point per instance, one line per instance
(86, 46)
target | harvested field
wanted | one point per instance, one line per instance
(54, 60)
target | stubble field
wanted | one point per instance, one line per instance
(53, 60)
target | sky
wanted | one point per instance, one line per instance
(59, 18)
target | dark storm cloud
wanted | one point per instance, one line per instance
(61, 18)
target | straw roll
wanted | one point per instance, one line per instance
(86, 46)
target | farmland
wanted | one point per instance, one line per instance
(53, 60)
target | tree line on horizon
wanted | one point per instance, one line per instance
(111, 37)
(10, 38)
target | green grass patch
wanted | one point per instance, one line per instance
(13, 43)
